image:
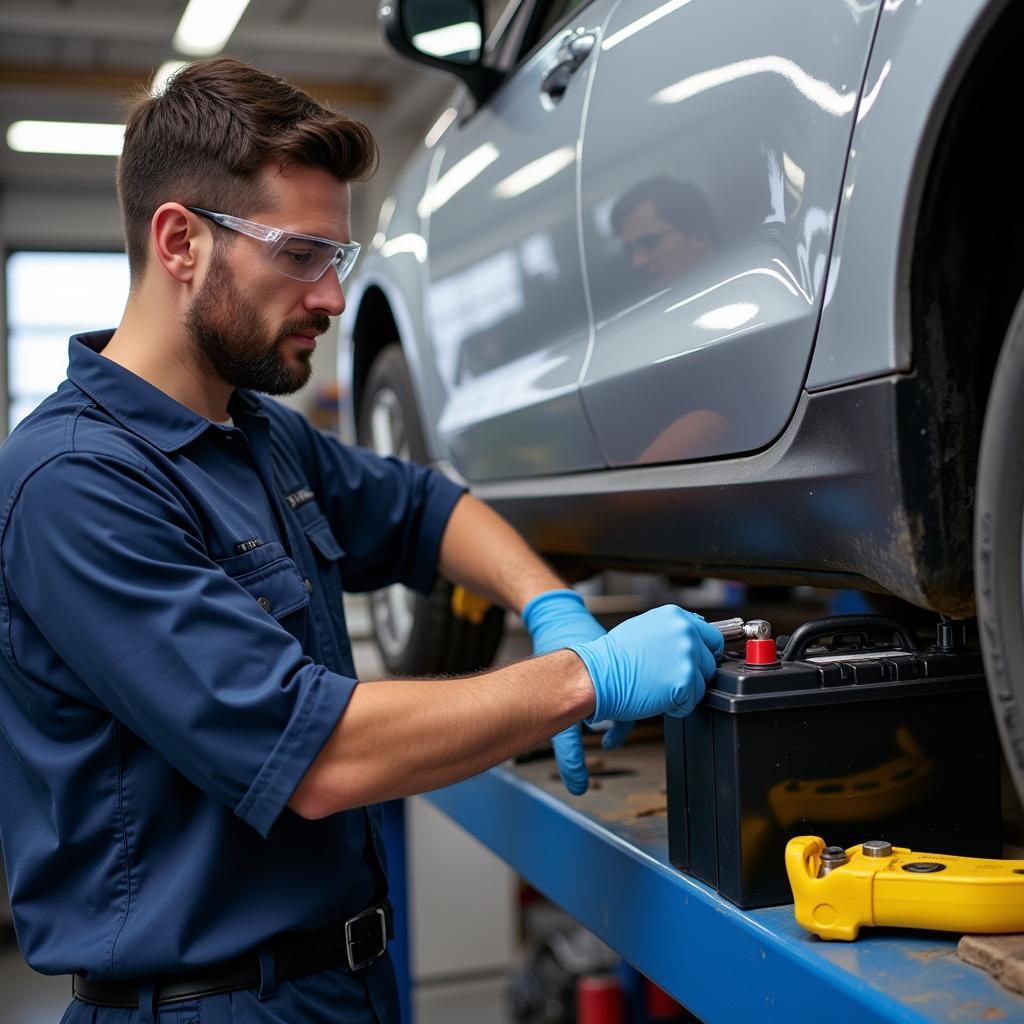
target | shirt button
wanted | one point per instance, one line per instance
(308, 584)
(263, 603)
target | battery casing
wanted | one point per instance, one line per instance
(900, 746)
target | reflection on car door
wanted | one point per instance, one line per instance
(506, 304)
(712, 161)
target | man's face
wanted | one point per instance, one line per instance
(253, 327)
(657, 248)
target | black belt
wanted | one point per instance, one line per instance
(354, 944)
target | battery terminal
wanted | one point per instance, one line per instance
(740, 629)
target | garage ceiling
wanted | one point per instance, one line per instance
(76, 59)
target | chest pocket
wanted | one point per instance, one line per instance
(329, 558)
(323, 540)
(273, 580)
(328, 555)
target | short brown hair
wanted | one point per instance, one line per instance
(204, 139)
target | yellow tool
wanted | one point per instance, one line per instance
(469, 606)
(836, 891)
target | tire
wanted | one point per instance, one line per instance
(999, 519)
(416, 634)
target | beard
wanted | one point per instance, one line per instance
(235, 341)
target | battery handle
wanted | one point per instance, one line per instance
(803, 636)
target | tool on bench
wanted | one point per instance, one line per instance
(838, 891)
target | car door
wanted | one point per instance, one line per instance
(506, 306)
(712, 160)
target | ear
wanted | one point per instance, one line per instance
(180, 241)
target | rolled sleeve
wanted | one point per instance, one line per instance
(138, 619)
(321, 705)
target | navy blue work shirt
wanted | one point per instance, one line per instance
(174, 656)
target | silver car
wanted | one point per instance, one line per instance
(715, 288)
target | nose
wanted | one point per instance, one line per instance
(326, 295)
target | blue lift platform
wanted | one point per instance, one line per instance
(603, 857)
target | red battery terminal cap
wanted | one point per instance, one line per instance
(762, 653)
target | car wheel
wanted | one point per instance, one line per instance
(998, 527)
(416, 633)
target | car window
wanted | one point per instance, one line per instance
(521, 26)
(497, 11)
(545, 19)
(556, 12)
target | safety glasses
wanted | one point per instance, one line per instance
(300, 257)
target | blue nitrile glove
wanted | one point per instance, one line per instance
(557, 619)
(656, 663)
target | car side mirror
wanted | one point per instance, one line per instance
(444, 34)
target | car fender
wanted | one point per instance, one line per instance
(395, 270)
(922, 52)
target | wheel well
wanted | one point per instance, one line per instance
(966, 276)
(375, 329)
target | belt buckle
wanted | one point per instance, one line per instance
(364, 942)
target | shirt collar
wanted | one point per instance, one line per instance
(136, 404)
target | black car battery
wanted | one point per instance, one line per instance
(854, 732)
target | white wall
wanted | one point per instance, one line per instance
(49, 218)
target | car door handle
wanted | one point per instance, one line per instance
(573, 50)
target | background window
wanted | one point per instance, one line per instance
(50, 296)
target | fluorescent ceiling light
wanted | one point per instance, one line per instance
(872, 94)
(644, 22)
(66, 137)
(206, 26)
(168, 68)
(457, 178)
(410, 243)
(818, 92)
(443, 42)
(794, 172)
(440, 126)
(534, 173)
(728, 318)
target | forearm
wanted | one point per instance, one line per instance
(481, 551)
(399, 737)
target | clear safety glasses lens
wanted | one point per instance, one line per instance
(300, 257)
(305, 258)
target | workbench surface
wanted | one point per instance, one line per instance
(604, 858)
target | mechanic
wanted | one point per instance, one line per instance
(189, 767)
(666, 228)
